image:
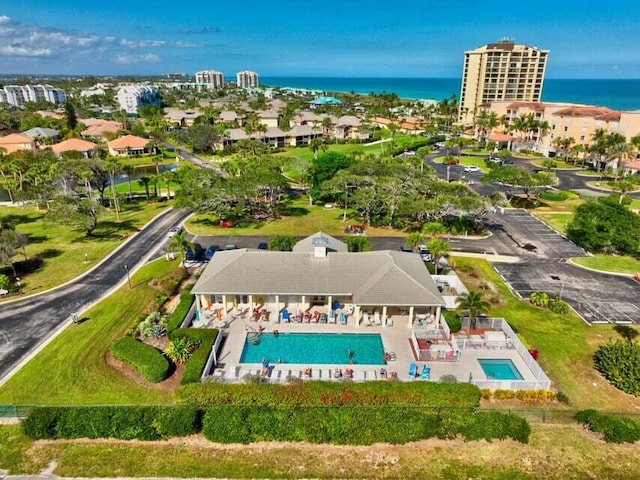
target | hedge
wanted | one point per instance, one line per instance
(362, 425)
(148, 361)
(204, 337)
(319, 393)
(181, 310)
(616, 429)
(121, 422)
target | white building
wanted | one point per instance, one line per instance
(247, 79)
(18, 95)
(212, 78)
(133, 97)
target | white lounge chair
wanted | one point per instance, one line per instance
(316, 374)
(232, 372)
(365, 319)
(376, 316)
(361, 375)
(389, 322)
(332, 316)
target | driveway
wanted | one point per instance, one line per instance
(29, 322)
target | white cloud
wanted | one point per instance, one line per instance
(20, 40)
(128, 59)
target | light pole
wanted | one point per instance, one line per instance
(86, 257)
(19, 285)
(126, 267)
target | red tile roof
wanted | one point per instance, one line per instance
(576, 111)
(536, 106)
(73, 144)
(15, 138)
(128, 141)
(501, 137)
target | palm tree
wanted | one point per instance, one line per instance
(128, 170)
(180, 242)
(113, 166)
(438, 247)
(414, 239)
(145, 181)
(472, 302)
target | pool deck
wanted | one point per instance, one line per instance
(395, 339)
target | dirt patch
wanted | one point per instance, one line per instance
(127, 371)
(474, 280)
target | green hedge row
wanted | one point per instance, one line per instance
(181, 310)
(204, 337)
(356, 425)
(320, 393)
(121, 422)
(616, 429)
(148, 361)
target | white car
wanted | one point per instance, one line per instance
(471, 168)
(174, 231)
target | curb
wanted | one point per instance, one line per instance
(604, 272)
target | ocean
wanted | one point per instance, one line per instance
(615, 94)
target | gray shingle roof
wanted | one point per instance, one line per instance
(41, 132)
(371, 278)
(307, 245)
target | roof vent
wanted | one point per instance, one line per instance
(320, 252)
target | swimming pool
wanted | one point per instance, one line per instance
(500, 369)
(315, 348)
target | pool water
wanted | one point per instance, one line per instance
(499, 369)
(315, 348)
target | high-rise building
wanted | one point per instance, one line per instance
(18, 95)
(247, 79)
(211, 78)
(133, 97)
(500, 71)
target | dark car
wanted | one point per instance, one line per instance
(507, 163)
(210, 252)
(195, 254)
(405, 248)
(263, 246)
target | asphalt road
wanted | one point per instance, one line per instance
(27, 323)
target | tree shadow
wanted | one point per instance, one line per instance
(50, 253)
(109, 230)
(16, 220)
(626, 332)
(33, 239)
(24, 267)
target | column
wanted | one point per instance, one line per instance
(330, 299)
(410, 317)
(278, 306)
(250, 302)
(224, 303)
(384, 315)
(198, 302)
(303, 302)
(356, 314)
(438, 311)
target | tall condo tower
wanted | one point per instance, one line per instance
(500, 71)
(247, 79)
(211, 78)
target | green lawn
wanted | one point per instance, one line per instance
(558, 221)
(304, 220)
(474, 162)
(610, 263)
(305, 153)
(66, 253)
(554, 452)
(72, 369)
(560, 164)
(566, 344)
(476, 151)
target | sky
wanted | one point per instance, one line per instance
(376, 38)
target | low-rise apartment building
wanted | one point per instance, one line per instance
(18, 95)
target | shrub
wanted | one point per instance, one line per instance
(562, 397)
(319, 393)
(556, 196)
(179, 350)
(5, 281)
(616, 429)
(618, 362)
(148, 361)
(181, 310)
(147, 326)
(539, 299)
(453, 320)
(204, 338)
(121, 422)
(558, 306)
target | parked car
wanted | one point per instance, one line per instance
(495, 160)
(195, 254)
(471, 168)
(210, 252)
(405, 248)
(263, 246)
(230, 246)
(424, 253)
(173, 231)
(507, 163)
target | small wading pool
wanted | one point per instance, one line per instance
(500, 369)
(314, 348)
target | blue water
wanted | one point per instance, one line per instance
(500, 369)
(616, 94)
(316, 348)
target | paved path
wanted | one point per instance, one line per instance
(26, 323)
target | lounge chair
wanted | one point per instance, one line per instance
(285, 316)
(376, 317)
(389, 322)
(337, 373)
(332, 316)
(348, 373)
(413, 370)
(426, 373)
(365, 319)
(316, 373)
(232, 372)
(343, 318)
(361, 375)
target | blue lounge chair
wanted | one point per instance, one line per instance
(426, 373)
(343, 318)
(285, 316)
(413, 370)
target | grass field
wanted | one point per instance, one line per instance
(554, 452)
(610, 263)
(476, 151)
(558, 221)
(305, 220)
(566, 344)
(72, 369)
(68, 252)
(560, 164)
